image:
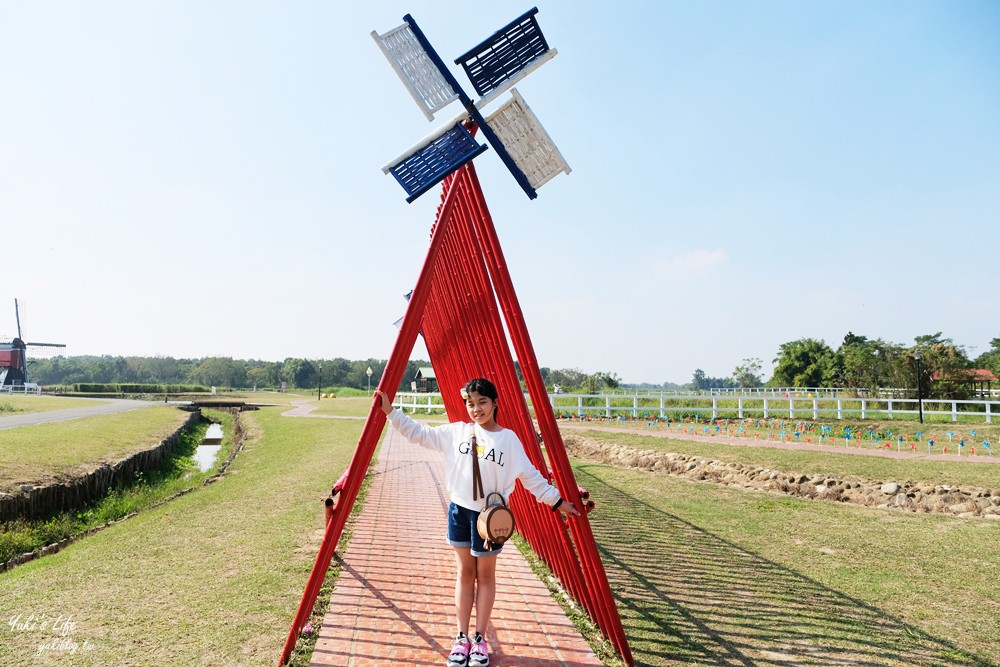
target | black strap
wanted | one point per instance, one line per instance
(477, 478)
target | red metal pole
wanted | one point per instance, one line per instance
(391, 378)
(544, 532)
(608, 618)
(561, 560)
(462, 305)
(458, 275)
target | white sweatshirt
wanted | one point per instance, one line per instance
(502, 460)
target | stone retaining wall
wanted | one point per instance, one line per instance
(966, 502)
(40, 501)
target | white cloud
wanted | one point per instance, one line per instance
(695, 263)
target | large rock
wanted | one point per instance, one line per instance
(968, 507)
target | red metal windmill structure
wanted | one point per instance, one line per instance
(464, 298)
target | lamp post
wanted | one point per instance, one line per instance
(369, 374)
(319, 382)
(920, 394)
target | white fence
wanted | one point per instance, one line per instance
(26, 388)
(607, 406)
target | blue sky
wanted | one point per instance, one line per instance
(191, 179)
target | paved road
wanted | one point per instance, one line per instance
(111, 406)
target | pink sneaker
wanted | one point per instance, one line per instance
(479, 654)
(459, 656)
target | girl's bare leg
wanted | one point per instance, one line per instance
(486, 589)
(465, 586)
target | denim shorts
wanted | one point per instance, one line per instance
(462, 531)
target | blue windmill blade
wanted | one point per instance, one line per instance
(507, 56)
(417, 69)
(432, 160)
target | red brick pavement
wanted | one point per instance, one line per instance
(394, 601)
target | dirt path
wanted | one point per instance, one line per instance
(918, 455)
(305, 409)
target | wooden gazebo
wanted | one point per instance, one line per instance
(981, 379)
(426, 380)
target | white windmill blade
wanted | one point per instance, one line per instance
(527, 142)
(422, 78)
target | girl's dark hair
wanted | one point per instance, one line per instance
(483, 387)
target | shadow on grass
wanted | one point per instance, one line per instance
(689, 597)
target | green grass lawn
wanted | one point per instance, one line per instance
(18, 404)
(272, 397)
(211, 578)
(256, 397)
(351, 406)
(703, 575)
(706, 575)
(177, 474)
(41, 453)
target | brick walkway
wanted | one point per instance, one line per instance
(394, 600)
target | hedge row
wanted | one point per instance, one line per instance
(113, 388)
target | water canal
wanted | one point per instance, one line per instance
(204, 456)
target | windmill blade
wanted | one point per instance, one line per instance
(47, 344)
(17, 315)
(528, 143)
(506, 57)
(417, 186)
(430, 161)
(416, 69)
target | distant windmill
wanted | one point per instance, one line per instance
(14, 357)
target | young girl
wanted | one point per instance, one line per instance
(502, 461)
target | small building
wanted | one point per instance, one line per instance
(426, 381)
(981, 379)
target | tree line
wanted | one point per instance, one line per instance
(858, 363)
(296, 373)
(861, 364)
(223, 372)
